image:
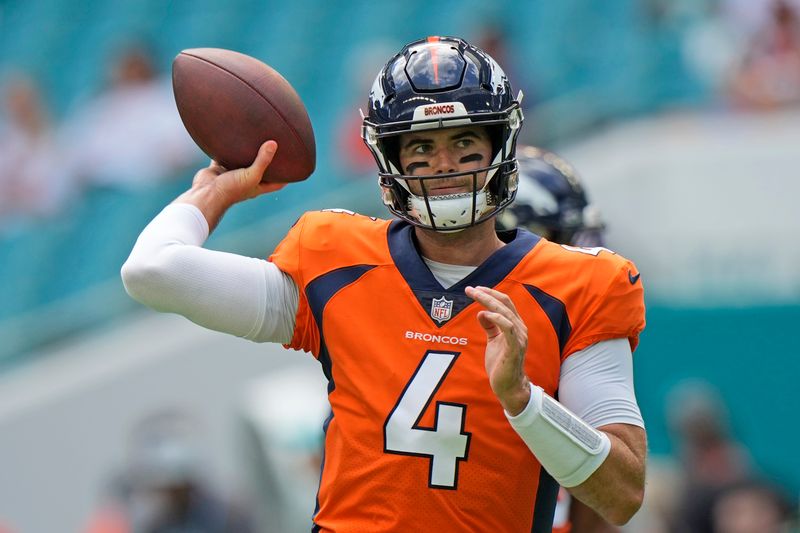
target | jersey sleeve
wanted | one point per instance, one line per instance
(288, 257)
(614, 310)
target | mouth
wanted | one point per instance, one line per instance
(447, 187)
(445, 191)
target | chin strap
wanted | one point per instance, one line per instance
(566, 446)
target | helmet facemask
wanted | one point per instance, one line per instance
(492, 187)
(471, 100)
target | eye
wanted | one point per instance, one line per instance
(422, 149)
(464, 143)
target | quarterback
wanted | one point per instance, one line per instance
(470, 371)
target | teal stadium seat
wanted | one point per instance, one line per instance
(99, 236)
(26, 259)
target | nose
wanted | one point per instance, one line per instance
(444, 162)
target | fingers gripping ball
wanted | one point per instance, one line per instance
(231, 103)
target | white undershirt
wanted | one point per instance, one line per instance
(170, 271)
(448, 275)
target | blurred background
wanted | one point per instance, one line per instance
(681, 116)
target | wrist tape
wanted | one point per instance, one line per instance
(566, 446)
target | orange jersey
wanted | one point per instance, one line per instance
(417, 440)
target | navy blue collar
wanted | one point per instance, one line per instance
(402, 246)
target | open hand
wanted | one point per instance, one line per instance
(506, 344)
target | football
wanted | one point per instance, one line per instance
(230, 103)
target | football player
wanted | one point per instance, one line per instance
(444, 342)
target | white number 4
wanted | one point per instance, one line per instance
(446, 443)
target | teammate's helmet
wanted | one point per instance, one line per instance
(551, 201)
(443, 82)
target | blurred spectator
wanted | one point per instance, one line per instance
(682, 492)
(162, 487)
(710, 458)
(713, 45)
(769, 75)
(33, 179)
(131, 135)
(751, 507)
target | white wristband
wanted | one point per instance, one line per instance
(566, 446)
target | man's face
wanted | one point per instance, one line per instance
(432, 152)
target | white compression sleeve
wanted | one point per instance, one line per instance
(595, 388)
(596, 384)
(169, 271)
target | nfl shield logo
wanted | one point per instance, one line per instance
(441, 309)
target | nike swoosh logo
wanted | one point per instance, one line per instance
(633, 279)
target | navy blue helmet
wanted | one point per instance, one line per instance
(551, 201)
(443, 82)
